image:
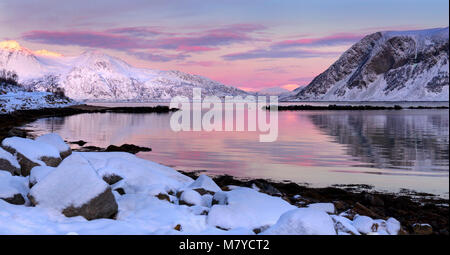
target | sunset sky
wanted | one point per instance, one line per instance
(249, 44)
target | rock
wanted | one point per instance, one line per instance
(326, 207)
(13, 188)
(31, 153)
(79, 142)
(177, 227)
(220, 198)
(112, 178)
(190, 198)
(422, 229)
(56, 141)
(267, 188)
(344, 225)
(121, 191)
(9, 163)
(374, 200)
(16, 199)
(17, 132)
(75, 189)
(102, 206)
(339, 205)
(364, 224)
(204, 184)
(38, 173)
(131, 148)
(303, 221)
(393, 226)
(161, 196)
(361, 209)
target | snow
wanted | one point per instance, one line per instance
(38, 173)
(11, 185)
(344, 225)
(9, 157)
(191, 197)
(363, 224)
(393, 226)
(247, 208)
(303, 221)
(326, 207)
(68, 185)
(97, 76)
(54, 140)
(16, 98)
(31, 149)
(139, 175)
(78, 179)
(205, 182)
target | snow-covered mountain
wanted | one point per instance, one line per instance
(97, 76)
(386, 66)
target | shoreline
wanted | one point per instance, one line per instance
(409, 209)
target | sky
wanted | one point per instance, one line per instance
(250, 44)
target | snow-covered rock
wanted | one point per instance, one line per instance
(393, 226)
(31, 153)
(344, 225)
(386, 66)
(8, 162)
(56, 141)
(38, 173)
(138, 175)
(247, 208)
(190, 197)
(303, 221)
(13, 189)
(326, 207)
(364, 224)
(205, 183)
(97, 76)
(74, 188)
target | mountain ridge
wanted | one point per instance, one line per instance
(96, 76)
(386, 66)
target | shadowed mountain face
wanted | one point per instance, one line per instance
(418, 141)
(387, 66)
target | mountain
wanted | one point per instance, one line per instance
(99, 77)
(273, 91)
(386, 66)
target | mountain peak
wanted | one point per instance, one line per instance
(10, 45)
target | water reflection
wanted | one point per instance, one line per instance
(388, 149)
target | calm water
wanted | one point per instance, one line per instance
(388, 149)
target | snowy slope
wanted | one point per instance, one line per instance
(97, 76)
(387, 66)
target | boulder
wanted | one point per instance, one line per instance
(31, 153)
(38, 173)
(56, 141)
(205, 185)
(12, 188)
(326, 207)
(303, 221)
(422, 229)
(190, 197)
(75, 189)
(9, 163)
(365, 224)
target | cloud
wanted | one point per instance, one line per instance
(300, 48)
(331, 40)
(86, 39)
(159, 57)
(125, 38)
(279, 53)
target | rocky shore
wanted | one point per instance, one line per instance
(354, 205)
